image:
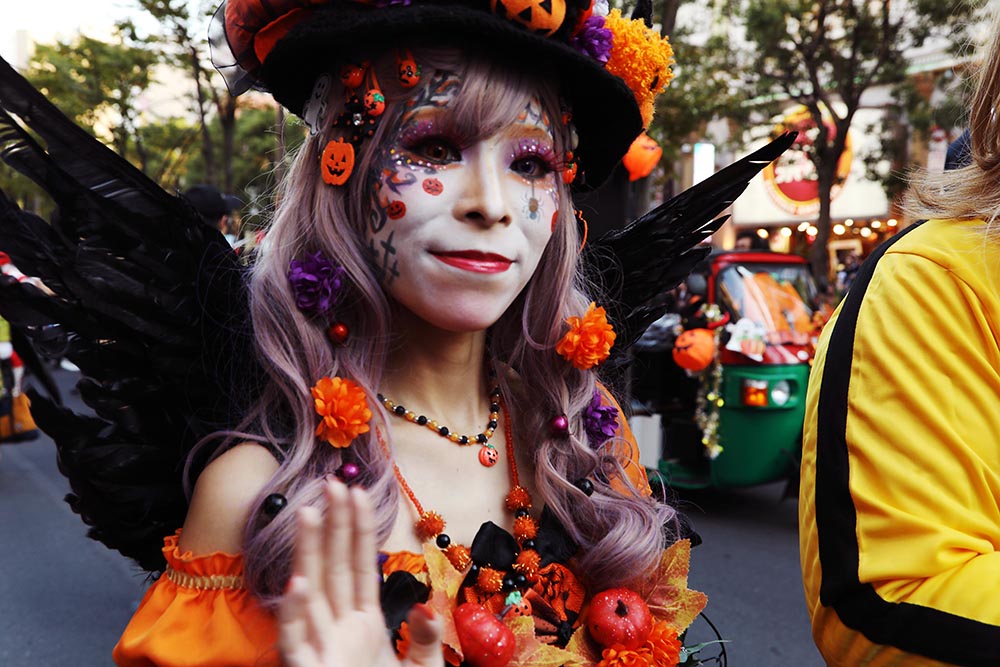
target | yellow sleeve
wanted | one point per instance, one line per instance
(199, 614)
(900, 498)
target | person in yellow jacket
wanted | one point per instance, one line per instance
(900, 499)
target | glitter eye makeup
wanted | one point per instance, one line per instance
(534, 158)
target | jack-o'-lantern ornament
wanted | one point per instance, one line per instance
(407, 70)
(540, 16)
(374, 102)
(352, 75)
(337, 162)
(694, 349)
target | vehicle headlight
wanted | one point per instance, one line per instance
(781, 391)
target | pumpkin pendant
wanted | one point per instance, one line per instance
(489, 456)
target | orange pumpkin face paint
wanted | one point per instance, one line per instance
(433, 186)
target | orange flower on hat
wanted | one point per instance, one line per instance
(343, 410)
(641, 58)
(589, 339)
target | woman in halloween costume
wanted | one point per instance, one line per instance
(418, 324)
(900, 489)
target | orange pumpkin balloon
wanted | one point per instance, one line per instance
(694, 349)
(642, 157)
(541, 16)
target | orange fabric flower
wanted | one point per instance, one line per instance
(343, 410)
(589, 339)
(619, 656)
(664, 645)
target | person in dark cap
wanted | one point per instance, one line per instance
(215, 208)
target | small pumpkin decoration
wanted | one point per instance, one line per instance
(619, 616)
(694, 349)
(485, 640)
(408, 71)
(352, 75)
(540, 16)
(374, 102)
(337, 162)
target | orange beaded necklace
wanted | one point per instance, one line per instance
(431, 524)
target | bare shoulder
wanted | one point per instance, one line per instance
(222, 496)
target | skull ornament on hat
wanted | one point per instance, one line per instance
(609, 68)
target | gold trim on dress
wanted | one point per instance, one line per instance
(214, 582)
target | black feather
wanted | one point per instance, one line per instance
(149, 302)
(640, 263)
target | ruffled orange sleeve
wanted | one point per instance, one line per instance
(198, 613)
(628, 456)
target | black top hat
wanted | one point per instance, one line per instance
(210, 202)
(608, 68)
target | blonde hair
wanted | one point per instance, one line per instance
(970, 192)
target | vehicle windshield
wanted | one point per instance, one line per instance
(774, 296)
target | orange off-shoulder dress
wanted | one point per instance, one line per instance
(200, 614)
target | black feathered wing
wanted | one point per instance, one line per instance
(149, 302)
(653, 254)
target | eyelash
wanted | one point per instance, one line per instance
(541, 152)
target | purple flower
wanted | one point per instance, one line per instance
(600, 421)
(593, 39)
(316, 282)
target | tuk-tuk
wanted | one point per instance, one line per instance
(737, 421)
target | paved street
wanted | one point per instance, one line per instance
(64, 599)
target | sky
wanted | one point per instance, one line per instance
(47, 20)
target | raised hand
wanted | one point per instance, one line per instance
(331, 615)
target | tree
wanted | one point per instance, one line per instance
(184, 31)
(818, 52)
(98, 85)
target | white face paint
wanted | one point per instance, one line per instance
(458, 228)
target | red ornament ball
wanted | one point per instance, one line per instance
(338, 333)
(559, 426)
(352, 75)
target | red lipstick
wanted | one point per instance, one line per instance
(475, 261)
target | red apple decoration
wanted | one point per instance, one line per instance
(619, 616)
(485, 640)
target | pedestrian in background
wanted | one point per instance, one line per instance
(900, 500)
(216, 209)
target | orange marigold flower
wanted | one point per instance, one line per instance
(518, 499)
(589, 339)
(664, 644)
(641, 58)
(343, 410)
(403, 643)
(430, 525)
(619, 656)
(525, 528)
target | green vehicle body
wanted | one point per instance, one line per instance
(760, 444)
